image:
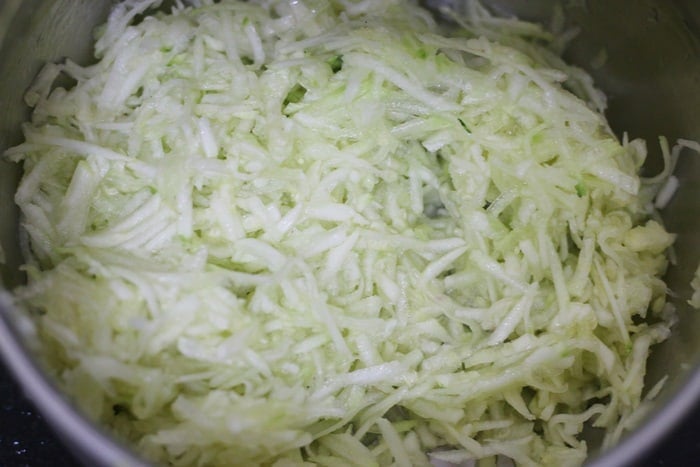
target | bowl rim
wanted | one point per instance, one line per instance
(654, 428)
(88, 442)
(94, 446)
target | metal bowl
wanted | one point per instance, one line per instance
(652, 78)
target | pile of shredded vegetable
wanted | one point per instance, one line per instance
(338, 233)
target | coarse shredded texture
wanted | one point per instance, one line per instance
(333, 232)
(694, 300)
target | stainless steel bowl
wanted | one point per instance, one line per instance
(651, 76)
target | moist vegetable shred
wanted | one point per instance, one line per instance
(338, 232)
